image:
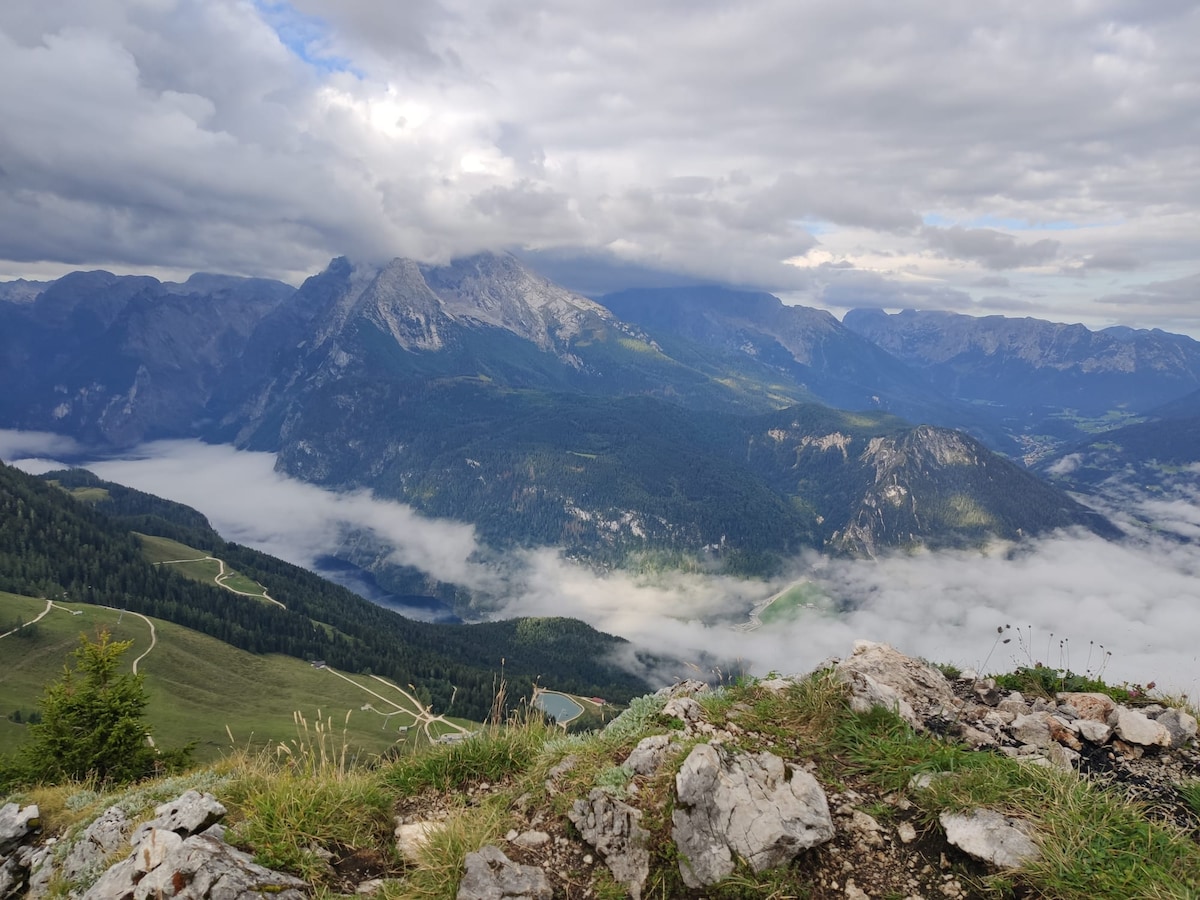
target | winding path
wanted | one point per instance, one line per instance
(153, 633)
(423, 718)
(40, 616)
(222, 574)
(50, 604)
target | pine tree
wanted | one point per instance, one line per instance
(92, 720)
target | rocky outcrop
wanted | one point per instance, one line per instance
(18, 826)
(490, 875)
(752, 807)
(879, 675)
(180, 853)
(614, 828)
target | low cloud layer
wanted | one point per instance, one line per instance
(1058, 599)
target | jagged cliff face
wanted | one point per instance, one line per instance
(115, 359)
(943, 488)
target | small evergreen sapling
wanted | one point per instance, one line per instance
(92, 720)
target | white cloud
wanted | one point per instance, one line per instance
(39, 444)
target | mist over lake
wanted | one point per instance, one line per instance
(1071, 600)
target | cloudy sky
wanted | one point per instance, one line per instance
(1020, 156)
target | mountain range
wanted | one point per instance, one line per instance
(673, 426)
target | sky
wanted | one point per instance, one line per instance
(1126, 612)
(1019, 157)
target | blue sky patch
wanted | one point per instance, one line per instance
(939, 221)
(306, 36)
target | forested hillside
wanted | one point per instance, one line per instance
(52, 544)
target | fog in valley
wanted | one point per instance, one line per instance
(1072, 599)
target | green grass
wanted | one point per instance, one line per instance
(238, 582)
(204, 570)
(160, 549)
(90, 494)
(492, 755)
(197, 565)
(791, 603)
(1046, 681)
(198, 686)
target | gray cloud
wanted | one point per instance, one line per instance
(1137, 598)
(991, 281)
(1167, 304)
(847, 289)
(992, 249)
(735, 139)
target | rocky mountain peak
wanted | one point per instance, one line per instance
(498, 290)
(399, 302)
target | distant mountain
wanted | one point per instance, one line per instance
(796, 344)
(486, 317)
(1185, 407)
(659, 426)
(1148, 455)
(116, 359)
(618, 478)
(1037, 375)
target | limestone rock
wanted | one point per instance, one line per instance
(1031, 729)
(1134, 728)
(203, 867)
(879, 675)
(531, 839)
(689, 688)
(614, 828)
(411, 837)
(103, 837)
(16, 824)
(115, 884)
(490, 875)
(1090, 730)
(648, 755)
(189, 813)
(1096, 707)
(1062, 733)
(11, 877)
(1181, 725)
(41, 870)
(991, 837)
(154, 848)
(739, 805)
(685, 709)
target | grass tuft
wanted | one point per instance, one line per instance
(441, 860)
(492, 755)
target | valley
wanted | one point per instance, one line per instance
(469, 441)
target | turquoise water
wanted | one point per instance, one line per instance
(558, 706)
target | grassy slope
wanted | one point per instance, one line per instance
(197, 685)
(197, 565)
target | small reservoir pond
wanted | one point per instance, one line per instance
(559, 707)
